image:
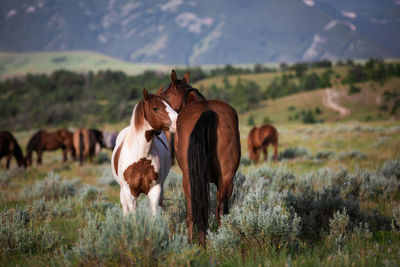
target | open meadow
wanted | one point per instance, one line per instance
(332, 199)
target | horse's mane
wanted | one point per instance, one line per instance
(138, 115)
(17, 152)
(194, 90)
(35, 141)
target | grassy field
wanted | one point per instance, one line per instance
(63, 201)
(332, 199)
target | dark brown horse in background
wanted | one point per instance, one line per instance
(48, 141)
(9, 147)
(259, 139)
(207, 146)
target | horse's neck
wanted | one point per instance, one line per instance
(136, 138)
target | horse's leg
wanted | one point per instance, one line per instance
(39, 155)
(8, 161)
(154, 197)
(64, 154)
(123, 202)
(276, 151)
(223, 195)
(265, 150)
(189, 217)
(129, 200)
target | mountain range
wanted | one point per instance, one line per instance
(205, 32)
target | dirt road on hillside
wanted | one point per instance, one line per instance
(329, 99)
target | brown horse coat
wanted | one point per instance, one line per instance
(84, 142)
(259, 139)
(207, 146)
(42, 141)
(9, 147)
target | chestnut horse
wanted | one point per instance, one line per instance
(207, 146)
(9, 147)
(84, 141)
(259, 139)
(140, 161)
(42, 141)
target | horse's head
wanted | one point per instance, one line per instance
(158, 112)
(175, 92)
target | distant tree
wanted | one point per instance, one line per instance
(250, 120)
(353, 89)
(308, 117)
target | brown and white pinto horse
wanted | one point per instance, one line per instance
(259, 139)
(9, 147)
(141, 160)
(42, 141)
(207, 146)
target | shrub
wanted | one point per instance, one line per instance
(316, 209)
(353, 154)
(391, 168)
(396, 218)
(51, 188)
(255, 225)
(44, 209)
(293, 152)
(19, 236)
(140, 240)
(107, 177)
(324, 154)
(90, 193)
(341, 230)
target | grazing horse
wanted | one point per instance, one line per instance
(84, 141)
(43, 140)
(140, 161)
(207, 146)
(259, 139)
(9, 147)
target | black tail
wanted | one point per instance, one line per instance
(18, 155)
(34, 144)
(202, 161)
(81, 147)
(172, 148)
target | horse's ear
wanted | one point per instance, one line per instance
(173, 77)
(159, 92)
(186, 78)
(145, 94)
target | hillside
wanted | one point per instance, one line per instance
(19, 64)
(205, 32)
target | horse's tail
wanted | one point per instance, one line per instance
(202, 163)
(81, 147)
(19, 156)
(172, 148)
(33, 144)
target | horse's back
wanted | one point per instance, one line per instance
(268, 133)
(228, 137)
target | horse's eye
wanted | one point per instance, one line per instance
(155, 109)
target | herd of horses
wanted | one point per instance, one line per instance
(203, 134)
(80, 144)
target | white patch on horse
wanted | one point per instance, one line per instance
(172, 116)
